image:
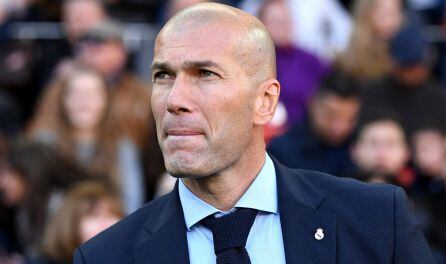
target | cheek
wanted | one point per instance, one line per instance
(365, 154)
(158, 103)
(234, 114)
(92, 225)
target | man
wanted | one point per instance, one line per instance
(408, 90)
(214, 90)
(322, 142)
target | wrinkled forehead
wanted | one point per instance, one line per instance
(214, 42)
(209, 37)
(219, 33)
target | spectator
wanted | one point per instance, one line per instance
(79, 16)
(408, 90)
(104, 50)
(298, 71)
(321, 27)
(87, 209)
(380, 150)
(75, 117)
(429, 144)
(376, 22)
(322, 142)
(31, 176)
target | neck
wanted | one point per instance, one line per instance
(224, 189)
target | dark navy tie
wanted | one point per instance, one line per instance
(230, 233)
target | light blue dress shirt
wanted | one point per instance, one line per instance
(265, 242)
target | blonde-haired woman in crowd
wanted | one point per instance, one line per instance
(88, 209)
(376, 22)
(74, 116)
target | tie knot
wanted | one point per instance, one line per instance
(231, 230)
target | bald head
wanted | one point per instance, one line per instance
(252, 44)
(214, 89)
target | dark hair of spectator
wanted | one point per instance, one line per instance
(431, 124)
(43, 171)
(375, 116)
(339, 84)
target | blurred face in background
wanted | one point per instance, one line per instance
(99, 219)
(85, 101)
(411, 76)
(333, 118)
(386, 18)
(80, 15)
(381, 148)
(276, 17)
(12, 187)
(177, 5)
(430, 152)
(107, 56)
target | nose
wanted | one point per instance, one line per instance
(180, 98)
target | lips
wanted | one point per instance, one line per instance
(184, 132)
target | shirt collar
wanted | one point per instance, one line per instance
(261, 195)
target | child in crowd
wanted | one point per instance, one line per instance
(429, 194)
(380, 150)
(88, 209)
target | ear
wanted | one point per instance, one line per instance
(266, 100)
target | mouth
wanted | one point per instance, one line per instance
(183, 133)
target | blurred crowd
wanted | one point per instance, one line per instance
(362, 96)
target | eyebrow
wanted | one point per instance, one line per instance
(188, 65)
(160, 66)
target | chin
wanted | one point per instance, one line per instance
(188, 173)
(184, 167)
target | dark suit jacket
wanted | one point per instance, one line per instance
(362, 223)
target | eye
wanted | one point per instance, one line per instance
(207, 73)
(161, 75)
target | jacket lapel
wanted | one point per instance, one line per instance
(164, 240)
(300, 220)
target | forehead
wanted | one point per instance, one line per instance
(383, 128)
(335, 102)
(203, 42)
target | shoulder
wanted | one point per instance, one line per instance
(346, 188)
(330, 184)
(342, 195)
(373, 221)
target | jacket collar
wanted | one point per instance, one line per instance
(164, 240)
(300, 219)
